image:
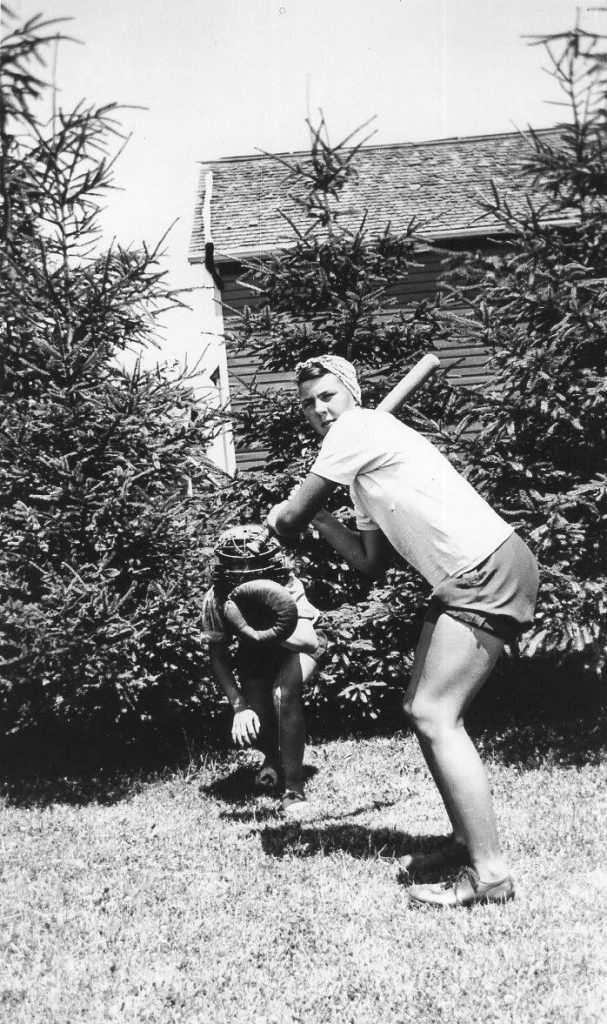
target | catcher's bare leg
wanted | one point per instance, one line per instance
(258, 695)
(295, 669)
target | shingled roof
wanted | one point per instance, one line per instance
(439, 183)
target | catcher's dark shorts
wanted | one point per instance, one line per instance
(497, 596)
(262, 661)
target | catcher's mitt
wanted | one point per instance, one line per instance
(261, 611)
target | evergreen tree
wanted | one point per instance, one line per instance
(104, 485)
(540, 307)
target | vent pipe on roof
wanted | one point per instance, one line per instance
(209, 248)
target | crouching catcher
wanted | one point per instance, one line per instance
(257, 602)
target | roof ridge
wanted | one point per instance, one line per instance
(518, 133)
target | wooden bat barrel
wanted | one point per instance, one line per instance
(410, 383)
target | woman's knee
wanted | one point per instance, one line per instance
(426, 717)
(410, 706)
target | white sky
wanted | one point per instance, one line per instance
(227, 77)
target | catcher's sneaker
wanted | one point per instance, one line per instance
(267, 777)
(294, 805)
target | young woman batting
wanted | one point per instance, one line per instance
(484, 579)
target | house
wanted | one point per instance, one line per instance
(439, 183)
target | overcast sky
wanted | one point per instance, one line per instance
(226, 77)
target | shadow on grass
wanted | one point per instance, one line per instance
(39, 770)
(106, 787)
(308, 840)
(527, 722)
(271, 812)
(239, 785)
(32, 780)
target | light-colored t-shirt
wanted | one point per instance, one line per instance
(215, 629)
(401, 484)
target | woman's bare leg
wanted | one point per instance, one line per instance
(452, 662)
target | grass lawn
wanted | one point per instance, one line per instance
(184, 897)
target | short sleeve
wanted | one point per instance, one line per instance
(352, 446)
(214, 629)
(364, 521)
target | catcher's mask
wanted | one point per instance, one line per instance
(248, 578)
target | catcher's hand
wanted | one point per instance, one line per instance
(245, 727)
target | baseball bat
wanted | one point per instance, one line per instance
(410, 383)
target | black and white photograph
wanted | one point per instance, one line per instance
(303, 511)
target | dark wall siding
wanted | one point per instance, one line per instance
(466, 359)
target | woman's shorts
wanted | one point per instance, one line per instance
(497, 596)
(262, 661)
